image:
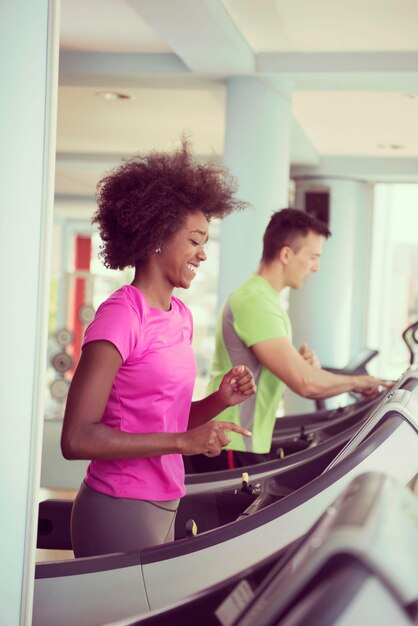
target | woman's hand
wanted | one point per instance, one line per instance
(208, 439)
(236, 386)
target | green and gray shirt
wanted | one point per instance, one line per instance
(251, 314)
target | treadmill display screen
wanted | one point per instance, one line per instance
(411, 385)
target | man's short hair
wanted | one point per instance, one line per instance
(286, 226)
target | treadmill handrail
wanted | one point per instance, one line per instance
(409, 337)
(401, 401)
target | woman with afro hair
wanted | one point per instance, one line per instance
(129, 408)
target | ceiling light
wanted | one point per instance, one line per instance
(114, 95)
(390, 146)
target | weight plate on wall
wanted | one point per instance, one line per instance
(59, 389)
(61, 362)
(86, 313)
(64, 337)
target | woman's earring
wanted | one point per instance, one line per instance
(157, 250)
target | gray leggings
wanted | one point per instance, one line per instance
(101, 524)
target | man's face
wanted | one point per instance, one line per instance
(304, 255)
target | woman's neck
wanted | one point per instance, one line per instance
(156, 291)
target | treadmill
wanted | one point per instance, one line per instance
(58, 473)
(410, 337)
(214, 503)
(295, 432)
(208, 508)
(83, 591)
(358, 565)
(196, 483)
(354, 566)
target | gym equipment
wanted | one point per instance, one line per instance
(410, 336)
(212, 507)
(216, 498)
(83, 591)
(355, 565)
(298, 432)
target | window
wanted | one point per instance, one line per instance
(393, 302)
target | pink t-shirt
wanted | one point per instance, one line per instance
(151, 393)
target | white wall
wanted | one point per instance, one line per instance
(28, 81)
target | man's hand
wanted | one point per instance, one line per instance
(309, 355)
(209, 439)
(237, 385)
(370, 386)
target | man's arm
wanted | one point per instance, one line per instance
(282, 359)
(309, 355)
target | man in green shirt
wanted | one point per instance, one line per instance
(255, 330)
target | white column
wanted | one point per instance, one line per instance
(28, 80)
(330, 311)
(256, 152)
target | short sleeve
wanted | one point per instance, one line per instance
(117, 322)
(257, 319)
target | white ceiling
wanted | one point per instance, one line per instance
(326, 25)
(359, 123)
(106, 26)
(353, 66)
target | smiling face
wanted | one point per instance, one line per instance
(182, 254)
(302, 259)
